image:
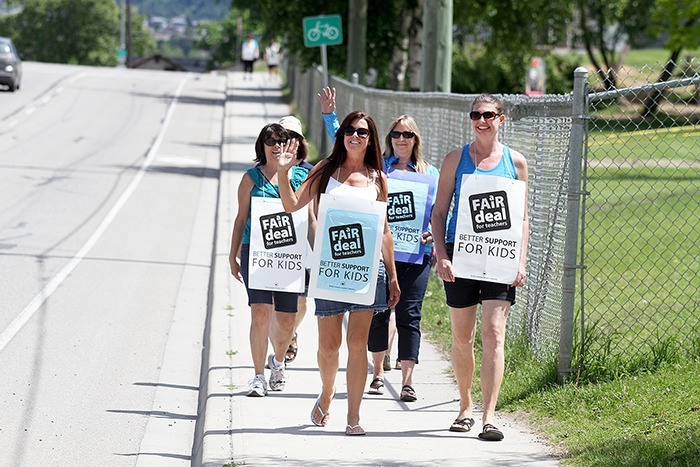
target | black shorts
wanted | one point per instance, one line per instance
(285, 302)
(463, 293)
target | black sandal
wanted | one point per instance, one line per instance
(291, 350)
(376, 386)
(490, 433)
(462, 425)
(408, 394)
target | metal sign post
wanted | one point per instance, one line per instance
(320, 31)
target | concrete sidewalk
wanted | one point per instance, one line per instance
(240, 430)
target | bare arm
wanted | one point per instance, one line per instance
(521, 168)
(438, 220)
(244, 189)
(291, 200)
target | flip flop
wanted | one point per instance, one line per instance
(354, 430)
(323, 421)
(462, 425)
(490, 433)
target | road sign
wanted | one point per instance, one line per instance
(322, 30)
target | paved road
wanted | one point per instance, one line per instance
(123, 338)
(274, 430)
(108, 189)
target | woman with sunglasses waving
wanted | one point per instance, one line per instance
(485, 156)
(404, 154)
(261, 181)
(354, 168)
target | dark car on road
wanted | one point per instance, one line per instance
(10, 64)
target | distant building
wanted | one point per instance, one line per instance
(179, 25)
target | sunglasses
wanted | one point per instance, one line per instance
(361, 132)
(488, 115)
(272, 141)
(405, 134)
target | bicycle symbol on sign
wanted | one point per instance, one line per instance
(325, 30)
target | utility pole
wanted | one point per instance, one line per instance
(436, 72)
(121, 53)
(128, 33)
(357, 39)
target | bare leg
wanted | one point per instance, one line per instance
(259, 327)
(282, 330)
(301, 311)
(463, 332)
(493, 335)
(358, 332)
(378, 364)
(392, 331)
(330, 336)
(407, 372)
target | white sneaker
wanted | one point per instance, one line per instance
(257, 387)
(277, 377)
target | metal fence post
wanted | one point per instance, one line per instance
(578, 128)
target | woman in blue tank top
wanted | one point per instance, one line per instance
(485, 155)
(261, 181)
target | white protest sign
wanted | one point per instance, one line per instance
(277, 246)
(489, 233)
(348, 242)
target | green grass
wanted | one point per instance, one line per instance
(649, 57)
(651, 418)
(679, 143)
(635, 399)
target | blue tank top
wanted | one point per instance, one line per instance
(505, 168)
(264, 189)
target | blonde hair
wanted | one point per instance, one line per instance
(417, 155)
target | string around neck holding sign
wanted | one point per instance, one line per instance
(275, 187)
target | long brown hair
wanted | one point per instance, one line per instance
(337, 157)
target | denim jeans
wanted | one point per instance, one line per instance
(413, 281)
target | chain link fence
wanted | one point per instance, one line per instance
(614, 203)
(641, 219)
(537, 127)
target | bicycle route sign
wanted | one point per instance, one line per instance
(322, 30)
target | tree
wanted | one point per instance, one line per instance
(384, 31)
(221, 38)
(81, 32)
(84, 32)
(495, 41)
(681, 20)
(605, 28)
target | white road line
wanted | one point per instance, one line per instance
(16, 325)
